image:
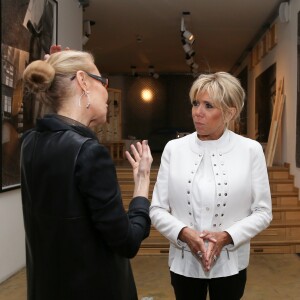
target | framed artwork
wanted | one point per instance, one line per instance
(28, 29)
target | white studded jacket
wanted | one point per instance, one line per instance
(218, 186)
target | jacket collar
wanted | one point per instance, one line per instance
(226, 143)
(53, 122)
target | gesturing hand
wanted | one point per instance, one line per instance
(140, 160)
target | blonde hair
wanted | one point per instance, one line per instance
(224, 90)
(50, 80)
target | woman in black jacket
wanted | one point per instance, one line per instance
(78, 236)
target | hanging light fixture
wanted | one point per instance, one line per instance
(189, 60)
(187, 40)
(187, 35)
(187, 48)
(133, 71)
(152, 73)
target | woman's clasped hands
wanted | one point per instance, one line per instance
(206, 246)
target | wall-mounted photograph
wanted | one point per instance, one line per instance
(28, 29)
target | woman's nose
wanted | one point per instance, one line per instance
(199, 110)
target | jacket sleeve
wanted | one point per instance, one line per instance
(160, 211)
(97, 182)
(261, 207)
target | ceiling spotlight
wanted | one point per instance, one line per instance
(191, 53)
(152, 72)
(83, 3)
(133, 71)
(189, 60)
(194, 66)
(87, 30)
(186, 47)
(188, 36)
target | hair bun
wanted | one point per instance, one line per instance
(38, 76)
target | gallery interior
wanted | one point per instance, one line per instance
(151, 53)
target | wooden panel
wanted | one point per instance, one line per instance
(275, 125)
(285, 201)
(271, 249)
(292, 215)
(293, 233)
(282, 187)
(279, 174)
(277, 216)
(111, 131)
(271, 234)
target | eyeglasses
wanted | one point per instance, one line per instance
(103, 80)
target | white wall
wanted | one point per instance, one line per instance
(288, 68)
(285, 57)
(70, 24)
(12, 237)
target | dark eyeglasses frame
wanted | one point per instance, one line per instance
(103, 80)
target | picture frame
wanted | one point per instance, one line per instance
(25, 39)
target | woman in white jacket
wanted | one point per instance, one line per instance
(212, 195)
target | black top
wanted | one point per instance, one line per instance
(78, 235)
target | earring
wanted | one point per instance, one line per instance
(79, 100)
(88, 97)
(84, 93)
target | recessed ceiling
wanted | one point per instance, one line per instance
(143, 33)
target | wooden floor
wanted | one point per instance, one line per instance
(270, 277)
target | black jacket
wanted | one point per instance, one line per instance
(78, 236)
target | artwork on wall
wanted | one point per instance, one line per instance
(28, 29)
(265, 94)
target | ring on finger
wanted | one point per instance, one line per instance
(199, 254)
(215, 257)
